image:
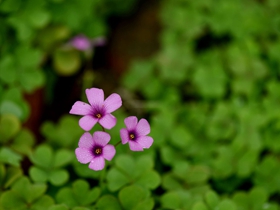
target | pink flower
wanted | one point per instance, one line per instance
(135, 134)
(98, 110)
(95, 149)
(81, 42)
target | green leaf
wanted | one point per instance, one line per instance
(14, 94)
(64, 134)
(171, 200)
(212, 199)
(28, 191)
(169, 182)
(66, 196)
(66, 62)
(12, 174)
(246, 163)
(181, 137)
(32, 79)
(23, 142)
(38, 18)
(38, 175)
(9, 6)
(146, 204)
(83, 194)
(79, 195)
(197, 174)
(28, 57)
(177, 200)
(8, 69)
(116, 179)
(58, 177)
(11, 200)
(199, 206)
(241, 199)
(43, 156)
(258, 197)
(227, 205)
(62, 157)
(149, 180)
(125, 162)
(58, 207)
(9, 127)
(43, 202)
(2, 174)
(131, 196)
(140, 70)
(10, 157)
(108, 202)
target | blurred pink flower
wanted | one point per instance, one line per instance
(98, 110)
(95, 149)
(83, 43)
(136, 133)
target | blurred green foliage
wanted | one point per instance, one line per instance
(211, 94)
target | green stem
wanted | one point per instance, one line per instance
(118, 143)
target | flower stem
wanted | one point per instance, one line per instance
(118, 143)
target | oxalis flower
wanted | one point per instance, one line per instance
(135, 134)
(95, 149)
(98, 110)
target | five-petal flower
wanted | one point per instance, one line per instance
(98, 110)
(95, 149)
(135, 134)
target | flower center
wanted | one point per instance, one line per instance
(98, 115)
(131, 136)
(97, 151)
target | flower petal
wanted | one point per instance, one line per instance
(84, 155)
(145, 141)
(81, 108)
(108, 121)
(86, 141)
(124, 135)
(95, 96)
(109, 152)
(131, 122)
(143, 127)
(87, 122)
(101, 138)
(113, 102)
(97, 163)
(135, 146)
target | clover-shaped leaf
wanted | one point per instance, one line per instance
(58, 207)
(23, 142)
(48, 165)
(9, 126)
(127, 170)
(135, 197)
(8, 175)
(9, 156)
(64, 134)
(252, 200)
(178, 199)
(267, 174)
(79, 195)
(108, 202)
(24, 195)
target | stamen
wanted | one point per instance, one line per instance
(131, 136)
(98, 151)
(98, 116)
